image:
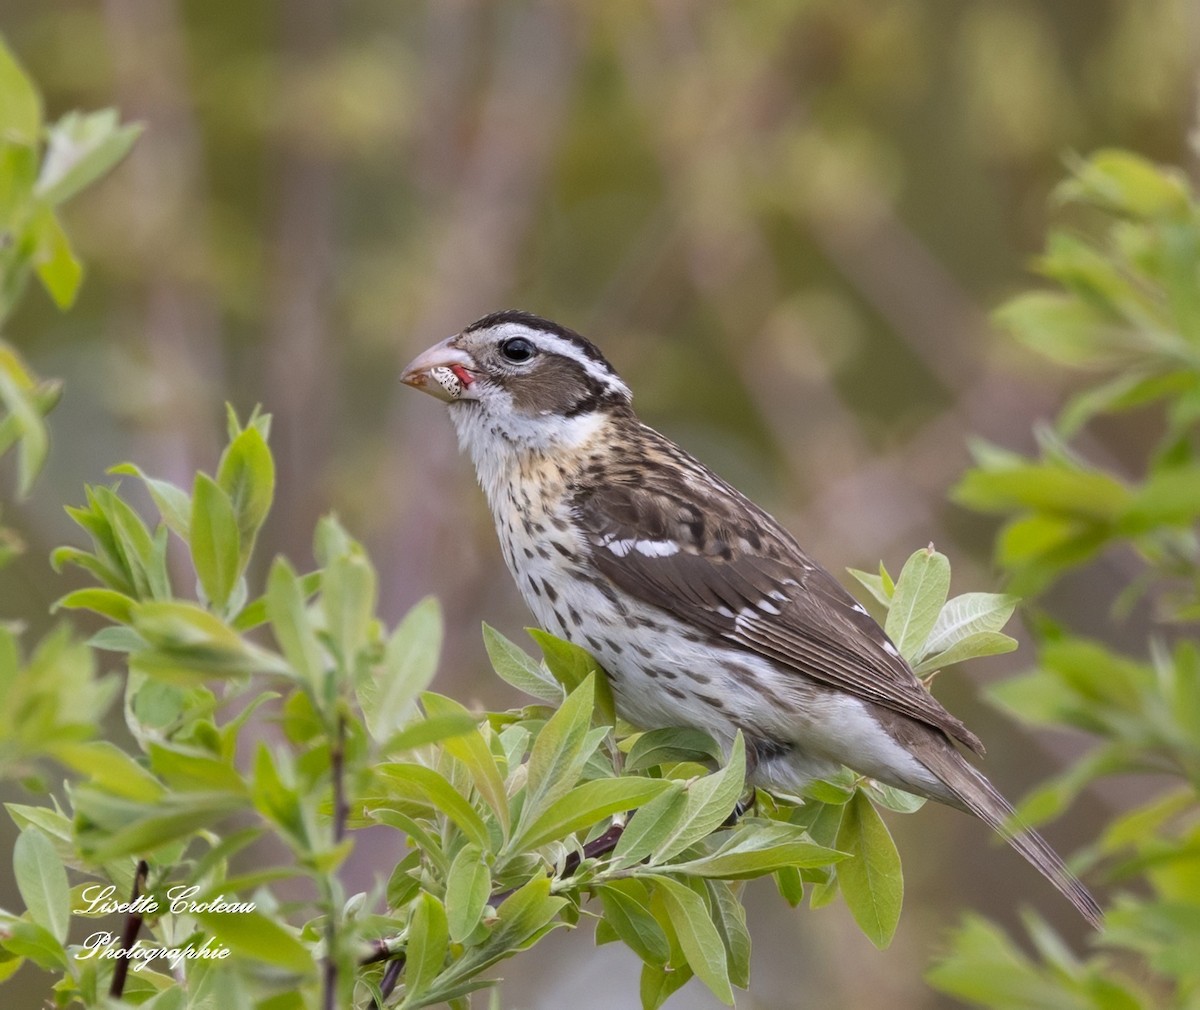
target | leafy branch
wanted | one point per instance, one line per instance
(292, 712)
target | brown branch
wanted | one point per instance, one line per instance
(133, 924)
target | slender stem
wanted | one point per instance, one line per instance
(382, 951)
(391, 977)
(133, 924)
(337, 762)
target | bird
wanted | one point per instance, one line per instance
(701, 608)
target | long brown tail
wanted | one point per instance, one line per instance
(978, 796)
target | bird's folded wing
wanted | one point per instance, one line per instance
(723, 565)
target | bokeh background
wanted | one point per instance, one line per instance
(785, 221)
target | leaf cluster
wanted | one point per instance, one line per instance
(289, 719)
(42, 166)
(1125, 309)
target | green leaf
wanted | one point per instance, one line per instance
(671, 745)
(515, 666)
(58, 269)
(20, 395)
(189, 641)
(968, 615)
(173, 503)
(524, 912)
(20, 106)
(421, 732)
(983, 643)
(871, 881)
(698, 936)
(258, 936)
(472, 750)
(730, 919)
(650, 826)
(659, 984)
(31, 940)
(879, 586)
(920, 592)
(419, 784)
(291, 625)
(107, 602)
(428, 939)
(173, 818)
(81, 148)
(588, 804)
(246, 474)
(42, 881)
(985, 966)
(111, 768)
(760, 849)
(1046, 487)
(625, 910)
(468, 887)
(570, 665)
(348, 592)
(710, 801)
(1169, 498)
(558, 753)
(1127, 183)
(407, 668)
(215, 542)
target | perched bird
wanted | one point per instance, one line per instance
(703, 610)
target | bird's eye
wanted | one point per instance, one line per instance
(517, 349)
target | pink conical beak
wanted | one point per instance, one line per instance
(445, 371)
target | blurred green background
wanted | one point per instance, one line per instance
(784, 222)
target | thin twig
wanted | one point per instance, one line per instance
(341, 810)
(600, 846)
(391, 977)
(133, 924)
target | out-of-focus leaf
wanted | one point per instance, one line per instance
(428, 938)
(20, 106)
(215, 543)
(409, 662)
(246, 473)
(81, 148)
(57, 267)
(42, 881)
(258, 936)
(173, 503)
(285, 606)
(1127, 183)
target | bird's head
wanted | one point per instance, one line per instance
(520, 377)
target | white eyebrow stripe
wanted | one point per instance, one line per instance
(555, 344)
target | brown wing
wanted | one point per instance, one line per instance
(686, 542)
